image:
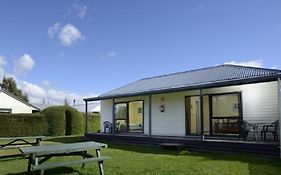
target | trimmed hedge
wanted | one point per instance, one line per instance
(23, 125)
(52, 121)
(74, 121)
(93, 122)
(55, 117)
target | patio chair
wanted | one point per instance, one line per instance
(107, 126)
(272, 128)
(247, 128)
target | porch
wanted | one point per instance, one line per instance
(193, 143)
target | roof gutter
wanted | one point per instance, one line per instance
(193, 87)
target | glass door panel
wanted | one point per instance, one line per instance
(121, 117)
(193, 115)
(225, 114)
(136, 116)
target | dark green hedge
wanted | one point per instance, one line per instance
(52, 121)
(74, 121)
(23, 125)
(55, 117)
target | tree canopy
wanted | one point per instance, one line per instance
(10, 85)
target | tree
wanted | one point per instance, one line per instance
(10, 85)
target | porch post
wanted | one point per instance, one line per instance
(113, 115)
(279, 112)
(149, 114)
(201, 115)
(86, 117)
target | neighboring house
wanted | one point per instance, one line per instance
(9, 103)
(92, 107)
(212, 101)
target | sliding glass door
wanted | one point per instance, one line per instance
(222, 114)
(129, 116)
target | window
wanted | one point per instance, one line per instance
(5, 111)
(225, 113)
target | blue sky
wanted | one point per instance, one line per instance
(75, 49)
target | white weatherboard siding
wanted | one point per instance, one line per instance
(15, 105)
(106, 112)
(260, 105)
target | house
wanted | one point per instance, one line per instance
(9, 103)
(93, 107)
(205, 103)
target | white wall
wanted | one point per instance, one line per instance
(259, 105)
(17, 106)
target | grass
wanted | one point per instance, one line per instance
(128, 160)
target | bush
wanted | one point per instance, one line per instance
(55, 117)
(12, 125)
(93, 122)
(52, 121)
(74, 121)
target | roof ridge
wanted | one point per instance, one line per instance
(252, 67)
(175, 73)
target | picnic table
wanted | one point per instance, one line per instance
(38, 155)
(19, 141)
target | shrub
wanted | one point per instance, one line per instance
(74, 121)
(55, 117)
(52, 121)
(93, 122)
(12, 125)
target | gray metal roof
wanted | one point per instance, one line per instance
(207, 77)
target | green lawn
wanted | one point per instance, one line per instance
(131, 160)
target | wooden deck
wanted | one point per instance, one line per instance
(193, 143)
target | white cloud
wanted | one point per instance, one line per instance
(111, 54)
(23, 65)
(53, 30)
(78, 9)
(33, 90)
(2, 65)
(251, 63)
(69, 34)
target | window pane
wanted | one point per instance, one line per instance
(121, 125)
(225, 126)
(121, 111)
(225, 105)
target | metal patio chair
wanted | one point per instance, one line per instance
(272, 128)
(247, 129)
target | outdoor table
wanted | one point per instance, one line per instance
(19, 141)
(37, 155)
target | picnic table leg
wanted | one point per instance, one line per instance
(84, 156)
(29, 164)
(38, 141)
(100, 162)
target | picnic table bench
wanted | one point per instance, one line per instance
(15, 142)
(37, 155)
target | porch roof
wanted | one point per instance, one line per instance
(216, 76)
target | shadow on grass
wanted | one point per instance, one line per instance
(63, 170)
